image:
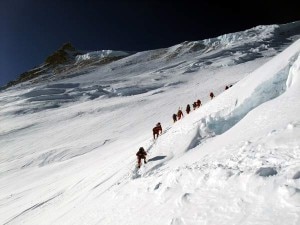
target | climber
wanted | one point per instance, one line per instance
(141, 154)
(179, 114)
(188, 109)
(156, 130)
(194, 105)
(199, 103)
(174, 117)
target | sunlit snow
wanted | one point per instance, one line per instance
(68, 143)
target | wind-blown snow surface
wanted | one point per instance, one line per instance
(68, 147)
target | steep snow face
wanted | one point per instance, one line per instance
(254, 40)
(68, 145)
(256, 33)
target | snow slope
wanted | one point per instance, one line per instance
(68, 145)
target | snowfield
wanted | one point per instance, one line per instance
(68, 143)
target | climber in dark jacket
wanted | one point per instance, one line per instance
(179, 114)
(141, 154)
(174, 117)
(194, 105)
(199, 103)
(188, 109)
(211, 95)
(156, 130)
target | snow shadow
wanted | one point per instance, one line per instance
(174, 83)
(156, 158)
(266, 171)
(16, 131)
(35, 206)
(157, 92)
(42, 92)
(92, 92)
(64, 97)
(165, 69)
(247, 57)
(297, 175)
(60, 155)
(195, 141)
(200, 64)
(36, 109)
(136, 90)
(63, 85)
(55, 95)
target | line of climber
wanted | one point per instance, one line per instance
(157, 130)
(195, 105)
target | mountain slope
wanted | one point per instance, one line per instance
(247, 175)
(68, 145)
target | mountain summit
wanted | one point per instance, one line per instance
(67, 59)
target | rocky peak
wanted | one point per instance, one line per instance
(63, 55)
